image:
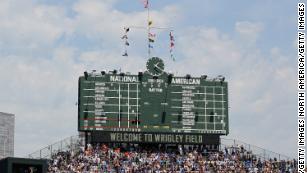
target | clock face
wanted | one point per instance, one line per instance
(155, 66)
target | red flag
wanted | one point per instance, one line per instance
(145, 3)
(172, 44)
(151, 35)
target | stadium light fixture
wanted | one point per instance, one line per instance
(203, 76)
(85, 75)
(140, 75)
(169, 78)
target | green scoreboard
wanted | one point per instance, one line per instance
(152, 101)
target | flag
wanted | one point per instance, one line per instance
(125, 53)
(145, 2)
(149, 23)
(150, 46)
(126, 29)
(124, 37)
(171, 36)
(127, 43)
(151, 35)
(172, 57)
(172, 44)
(151, 40)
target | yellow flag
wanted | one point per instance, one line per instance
(149, 23)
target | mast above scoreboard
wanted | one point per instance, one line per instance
(151, 36)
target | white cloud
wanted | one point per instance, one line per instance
(248, 31)
(41, 87)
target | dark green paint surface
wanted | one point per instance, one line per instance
(133, 103)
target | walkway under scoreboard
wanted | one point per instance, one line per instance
(152, 102)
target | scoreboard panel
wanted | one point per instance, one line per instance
(152, 101)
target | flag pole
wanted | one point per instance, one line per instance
(148, 30)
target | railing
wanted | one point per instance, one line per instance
(75, 142)
(258, 151)
(69, 144)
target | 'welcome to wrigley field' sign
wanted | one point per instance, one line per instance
(152, 102)
(169, 138)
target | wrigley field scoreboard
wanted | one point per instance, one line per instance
(152, 102)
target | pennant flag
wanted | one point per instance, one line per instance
(151, 35)
(149, 23)
(126, 29)
(124, 37)
(172, 45)
(151, 40)
(145, 3)
(125, 54)
(172, 57)
(171, 36)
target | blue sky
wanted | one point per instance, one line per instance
(46, 45)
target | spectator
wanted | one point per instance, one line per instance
(102, 158)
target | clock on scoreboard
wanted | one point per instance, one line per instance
(152, 101)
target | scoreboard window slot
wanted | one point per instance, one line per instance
(219, 126)
(209, 90)
(209, 96)
(218, 104)
(218, 90)
(209, 111)
(196, 117)
(218, 97)
(210, 126)
(163, 117)
(85, 114)
(211, 118)
(209, 104)
(219, 111)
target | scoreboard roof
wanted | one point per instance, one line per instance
(152, 101)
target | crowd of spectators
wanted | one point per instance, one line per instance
(101, 158)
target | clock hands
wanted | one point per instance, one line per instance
(156, 65)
